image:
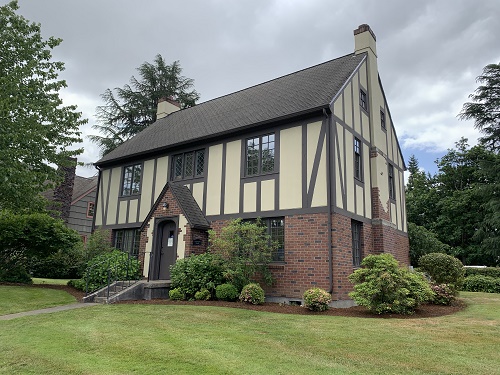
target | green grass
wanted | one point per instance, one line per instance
(39, 280)
(14, 299)
(156, 339)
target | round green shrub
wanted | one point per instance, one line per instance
(252, 293)
(443, 269)
(383, 287)
(479, 283)
(317, 299)
(226, 292)
(197, 272)
(176, 294)
(443, 294)
(202, 295)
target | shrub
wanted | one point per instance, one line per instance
(383, 287)
(443, 294)
(64, 264)
(197, 272)
(226, 292)
(203, 294)
(252, 293)
(16, 274)
(487, 271)
(479, 283)
(443, 269)
(317, 299)
(176, 294)
(122, 267)
(423, 241)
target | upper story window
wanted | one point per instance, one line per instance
(357, 159)
(90, 209)
(188, 165)
(260, 154)
(382, 119)
(392, 185)
(132, 179)
(363, 100)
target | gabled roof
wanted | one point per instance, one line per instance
(82, 187)
(298, 93)
(187, 203)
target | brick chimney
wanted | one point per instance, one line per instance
(63, 192)
(166, 106)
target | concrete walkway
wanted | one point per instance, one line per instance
(48, 310)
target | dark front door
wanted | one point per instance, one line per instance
(167, 249)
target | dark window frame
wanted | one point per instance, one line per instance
(127, 240)
(257, 164)
(130, 186)
(358, 159)
(382, 120)
(277, 233)
(188, 165)
(90, 209)
(363, 99)
(391, 181)
(356, 236)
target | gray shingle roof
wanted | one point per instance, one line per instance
(293, 94)
(83, 185)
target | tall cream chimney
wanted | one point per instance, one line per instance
(166, 107)
(365, 40)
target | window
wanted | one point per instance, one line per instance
(90, 209)
(362, 100)
(382, 119)
(356, 242)
(127, 240)
(357, 159)
(275, 228)
(188, 165)
(392, 187)
(132, 179)
(260, 155)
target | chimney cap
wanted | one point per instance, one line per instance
(365, 27)
(170, 100)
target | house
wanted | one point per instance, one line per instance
(73, 201)
(313, 153)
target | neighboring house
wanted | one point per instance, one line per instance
(313, 153)
(74, 201)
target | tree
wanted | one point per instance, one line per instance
(485, 107)
(36, 129)
(133, 108)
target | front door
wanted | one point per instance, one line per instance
(167, 252)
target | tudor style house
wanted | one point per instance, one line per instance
(314, 154)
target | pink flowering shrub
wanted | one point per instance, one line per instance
(317, 299)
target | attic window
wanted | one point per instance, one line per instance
(362, 100)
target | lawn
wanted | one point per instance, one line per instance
(39, 280)
(14, 299)
(161, 339)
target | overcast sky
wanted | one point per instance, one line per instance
(429, 52)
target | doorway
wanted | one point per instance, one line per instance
(166, 249)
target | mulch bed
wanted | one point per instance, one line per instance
(424, 311)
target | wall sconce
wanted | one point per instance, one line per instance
(165, 205)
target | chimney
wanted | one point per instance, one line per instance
(63, 193)
(365, 40)
(166, 106)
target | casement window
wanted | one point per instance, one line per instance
(90, 209)
(260, 155)
(275, 228)
(132, 179)
(127, 240)
(188, 165)
(392, 186)
(357, 159)
(356, 227)
(363, 100)
(382, 119)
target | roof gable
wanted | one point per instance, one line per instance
(291, 95)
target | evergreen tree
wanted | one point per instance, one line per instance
(131, 109)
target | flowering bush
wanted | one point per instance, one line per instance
(317, 299)
(443, 269)
(443, 294)
(252, 293)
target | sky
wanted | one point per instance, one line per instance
(429, 52)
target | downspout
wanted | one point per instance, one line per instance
(329, 198)
(96, 197)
